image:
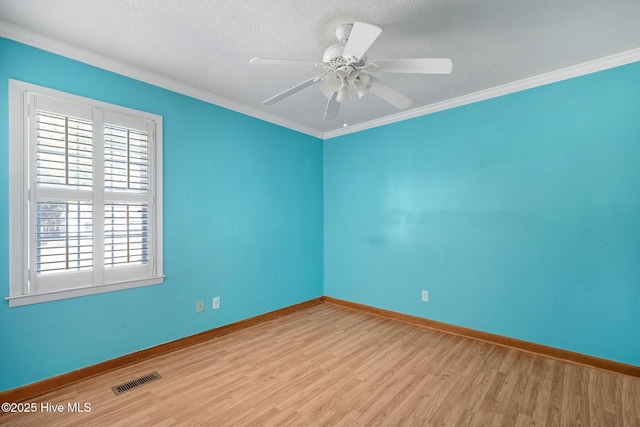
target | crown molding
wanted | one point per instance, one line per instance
(40, 41)
(589, 67)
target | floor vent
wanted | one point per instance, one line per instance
(130, 385)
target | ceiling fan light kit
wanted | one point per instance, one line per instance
(347, 67)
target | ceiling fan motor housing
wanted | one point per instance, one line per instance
(333, 57)
(334, 54)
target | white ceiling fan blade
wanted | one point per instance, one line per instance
(291, 91)
(276, 61)
(389, 94)
(417, 65)
(333, 106)
(360, 40)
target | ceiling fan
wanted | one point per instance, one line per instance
(346, 66)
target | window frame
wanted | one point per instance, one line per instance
(20, 192)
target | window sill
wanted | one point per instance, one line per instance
(20, 300)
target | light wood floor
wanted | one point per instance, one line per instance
(329, 365)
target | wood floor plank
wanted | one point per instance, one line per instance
(630, 401)
(575, 405)
(538, 394)
(331, 365)
(556, 396)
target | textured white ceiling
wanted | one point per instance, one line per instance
(207, 44)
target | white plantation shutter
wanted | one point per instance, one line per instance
(128, 219)
(61, 217)
(126, 159)
(64, 156)
(64, 236)
(64, 161)
(126, 170)
(126, 228)
(91, 192)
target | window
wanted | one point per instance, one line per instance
(85, 196)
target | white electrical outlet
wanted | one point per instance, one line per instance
(216, 303)
(200, 306)
(425, 296)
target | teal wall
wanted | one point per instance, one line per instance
(243, 220)
(520, 215)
